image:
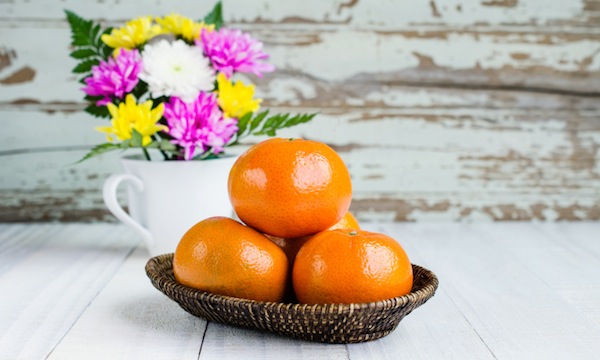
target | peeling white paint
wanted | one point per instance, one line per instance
(392, 53)
(381, 13)
(46, 52)
(499, 132)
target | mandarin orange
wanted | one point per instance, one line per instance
(292, 246)
(222, 256)
(290, 188)
(351, 266)
(347, 222)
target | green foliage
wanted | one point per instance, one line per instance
(254, 124)
(83, 54)
(136, 138)
(85, 66)
(281, 121)
(103, 148)
(142, 88)
(97, 111)
(163, 145)
(263, 125)
(215, 16)
(85, 39)
(243, 123)
(104, 50)
(93, 109)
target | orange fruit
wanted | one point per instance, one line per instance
(347, 222)
(349, 266)
(292, 246)
(290, 188)
(222, 256)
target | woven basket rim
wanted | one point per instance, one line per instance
(154, 267)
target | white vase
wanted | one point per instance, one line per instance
(166, 198)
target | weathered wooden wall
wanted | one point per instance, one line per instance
(443, 110)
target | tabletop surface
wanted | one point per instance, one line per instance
(507, 291)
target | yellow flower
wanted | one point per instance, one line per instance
(135, 33)
(179, 25)
(129, 115)
(236, 99)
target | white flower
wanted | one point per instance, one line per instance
(176, 69)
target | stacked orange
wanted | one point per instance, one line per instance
(293, 196)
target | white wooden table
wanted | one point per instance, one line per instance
(507, 291)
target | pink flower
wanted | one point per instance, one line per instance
(198, 125)
(117, 77)
(233, 50)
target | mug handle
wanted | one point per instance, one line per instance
(109, 192)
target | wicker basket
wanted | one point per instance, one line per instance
(330, 323)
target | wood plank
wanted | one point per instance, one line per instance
(138, 315)
(130, 319)
(475, 207)
(77, 206)
(419, 164)
(19, 242)
(416, 150)
(582, 290)
(424, 334)
(516, 314)
(355, 13)
(228, 342)
(507, 291)
(478, 112)
(551, 254)
(416, 58)
(578, 239)
(462, 110)
(58, 272)
(456, 57)
(289, 88)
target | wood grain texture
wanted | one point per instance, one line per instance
(387, 13)
(516, 295)
(583, 293)
(48, 277)
(454, 110)
(507, 291)
(425, 332)
(131, 320)
(222, 341)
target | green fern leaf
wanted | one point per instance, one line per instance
(243, 123)
(97, 111)
(85, 66)
(101, 149)
(215, 16)
(255, 123)
(83, 53)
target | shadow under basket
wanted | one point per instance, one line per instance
(328, 323)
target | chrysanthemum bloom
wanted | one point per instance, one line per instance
(182, 26)
(176, 69)
(115, 77)
(236, 99)
(199, 126)
(135, 33)
(129, 115)
(233, 50)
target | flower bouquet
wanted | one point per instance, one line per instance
(169, 83)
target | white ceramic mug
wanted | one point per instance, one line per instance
(166, 198)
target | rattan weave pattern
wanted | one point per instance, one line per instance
(330, 323)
